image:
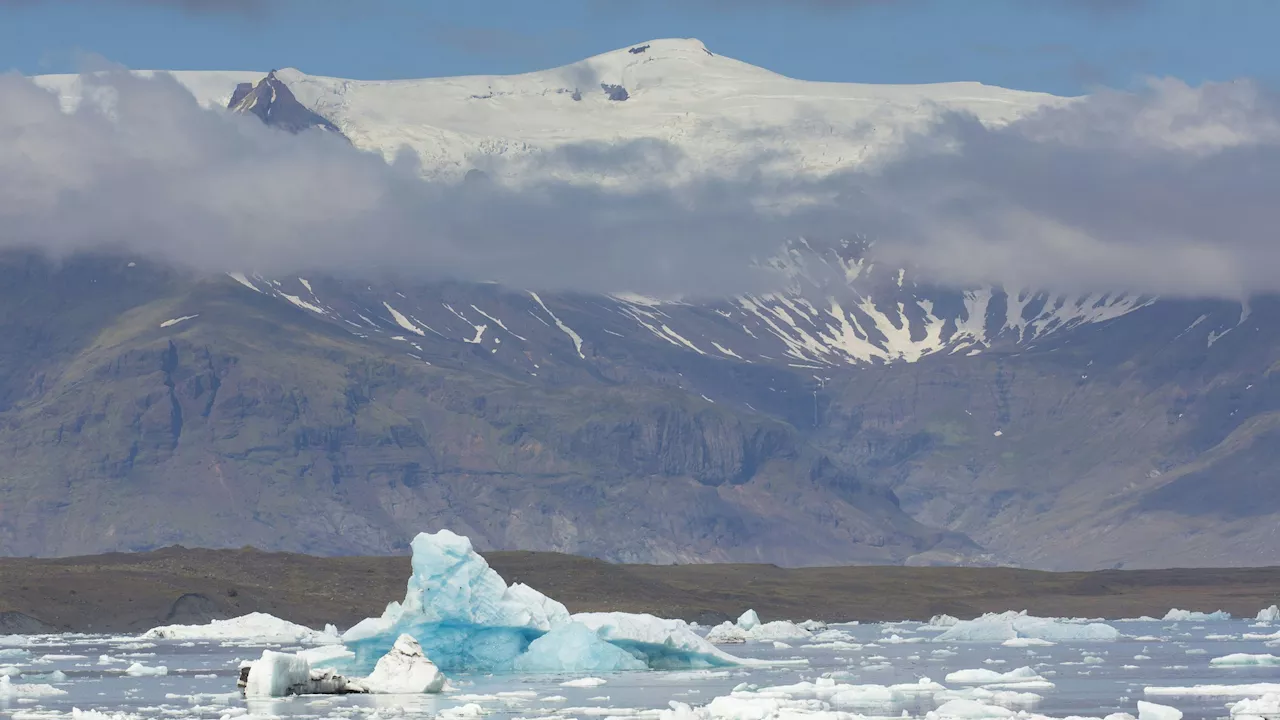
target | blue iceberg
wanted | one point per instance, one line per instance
(459, 610)
(575, 648)
(466, 618)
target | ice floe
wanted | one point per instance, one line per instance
(1244, 660)
(1176, 615)
(1000, 627)
(1267, 706)
(256, 627)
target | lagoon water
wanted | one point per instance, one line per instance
(1090, 679)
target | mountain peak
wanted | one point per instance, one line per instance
(274, 103)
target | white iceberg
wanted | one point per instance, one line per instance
(749, 628)
(1245, 660)
(404, 670)
(1176, 615)
(1023, 678)
(1269, 615)
(139, 670)
(969, 710)
(10, 690)
(1228, 691)
(1267, 706)
(256, 627)
(575, 648)
(663, 644)
(278, 674)
(1152, 711)
(999, 627)
(727, 633)
(823, 698)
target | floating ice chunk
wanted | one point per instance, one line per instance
(779, 630)
(1023, 677)
(1152, 711)
(727, 633)
(1176, 615)
(404, 670)
(1228, 691)
(459, 609)
(1269, 615)
(1245, 660)
(258, 627)
(662, 644)
(969, 710)
(777, 645)
(998, 627)
(139, 670)
(749, 620)
(814, 626)
(586, 682)
(1004, 698)
(1027, 642)
(1267, 706)
(575, 648)
(10, 690)
(941, 622)
(277, 674)
(470, 711)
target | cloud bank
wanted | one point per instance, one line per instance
(1169, 191)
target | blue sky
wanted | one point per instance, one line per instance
(1060, 46)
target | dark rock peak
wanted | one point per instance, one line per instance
(616, 93)
(274, 103)
(638, 50)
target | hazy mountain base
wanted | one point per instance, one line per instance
(260, 424)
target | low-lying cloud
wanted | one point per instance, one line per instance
(1170, 191)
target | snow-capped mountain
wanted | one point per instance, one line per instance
(715, 110)
(826, 422)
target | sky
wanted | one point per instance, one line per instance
(1057, 46)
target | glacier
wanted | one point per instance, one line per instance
(466, 618)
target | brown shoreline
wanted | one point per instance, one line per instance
(121, 592)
